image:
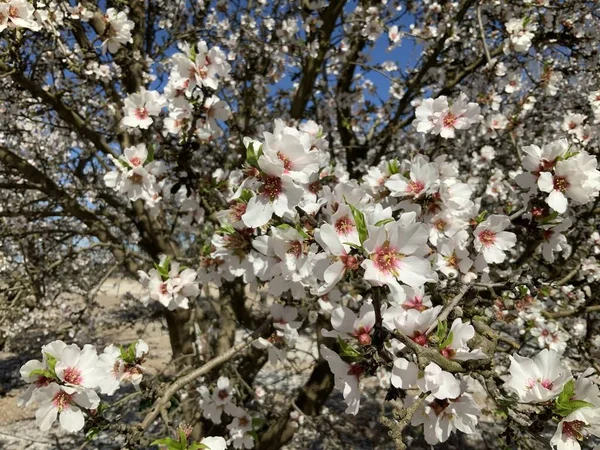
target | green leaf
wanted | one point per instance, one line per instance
(42, 373)
(564, 405)
(382, 222)
(246, 195)
(92, 433)
(301, 232)
(170, 443)
(150, 157)
(481, 217)
(227, 229)
(51, 361)
(348, 351)
(193, 53)
(182, 438)
(197, 446)
(393, 167)
(441, 330)
(252, 155)
(357, 247)
(446, 342)
(361, 224)
(258, 422)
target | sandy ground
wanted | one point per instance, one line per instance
(18, 430)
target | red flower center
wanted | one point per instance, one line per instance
(386, 259)
(561, 184)
(72, 375)
(344, 226)
(61, 400)
(449, 120)
(414, 187)
(487, 237)
(273, 187)
(141, 113)
(287, 164)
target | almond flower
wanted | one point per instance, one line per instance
(491, 239)
(539, 379)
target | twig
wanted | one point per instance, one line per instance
(444, 314)
(164, 401)
(396, 428)
(482, 34)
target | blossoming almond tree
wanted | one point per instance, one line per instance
(318, 225)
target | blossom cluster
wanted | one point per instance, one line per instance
(66, 382)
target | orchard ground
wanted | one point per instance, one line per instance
(119, 321)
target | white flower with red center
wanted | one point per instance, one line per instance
(37, 372)
(513, 84)
(221, 400)
(539, 160)
(582, 422)
(575, 178)
(289, 151)
(277, 194)
(457, 349)
(414, 298)
(117, 30)
(394, 34)
(411, 322)
(216, 109)
(349, 326)
(201, 67)
(550, 335)
(66, 403)
(428, 112)
(491, 239)
(460, 115)
(572, 122)
(140, 107)
(444, 225)
(346, 378)
(452, 257)
(338, 261)
(539, 379)
(422, 180)
(284, 315)
(441, 384)
(554, 240)
(442, 417)
(78, 367)
(17, 14)
(345, 227)
(521, 33)
(396, 253)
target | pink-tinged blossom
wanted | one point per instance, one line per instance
(457, 349)
(396, 253)
(438, 117)
(575, 178)
(346, 378)
(350, 327)
(140, 107)
(66, 403)
(492, 241)
(118, 30)
(539, 379)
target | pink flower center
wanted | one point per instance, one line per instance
(72, 375)
(273, 187)
(414, 303)
(487, 237)
(547, 384)
(448, 352)
(420, 338)
(135, 161)
(573, 429)
(13, 12)
(223, 394)
(295, 248)
(61, 400)
(561, 184)
(350, 262)
(141, 113)
(344, 226)
(449, 120)
(163, 288)
(386, 259)
(356, 370)
(414, 187)
(287, 164)
(438, 406)
(238, 210)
